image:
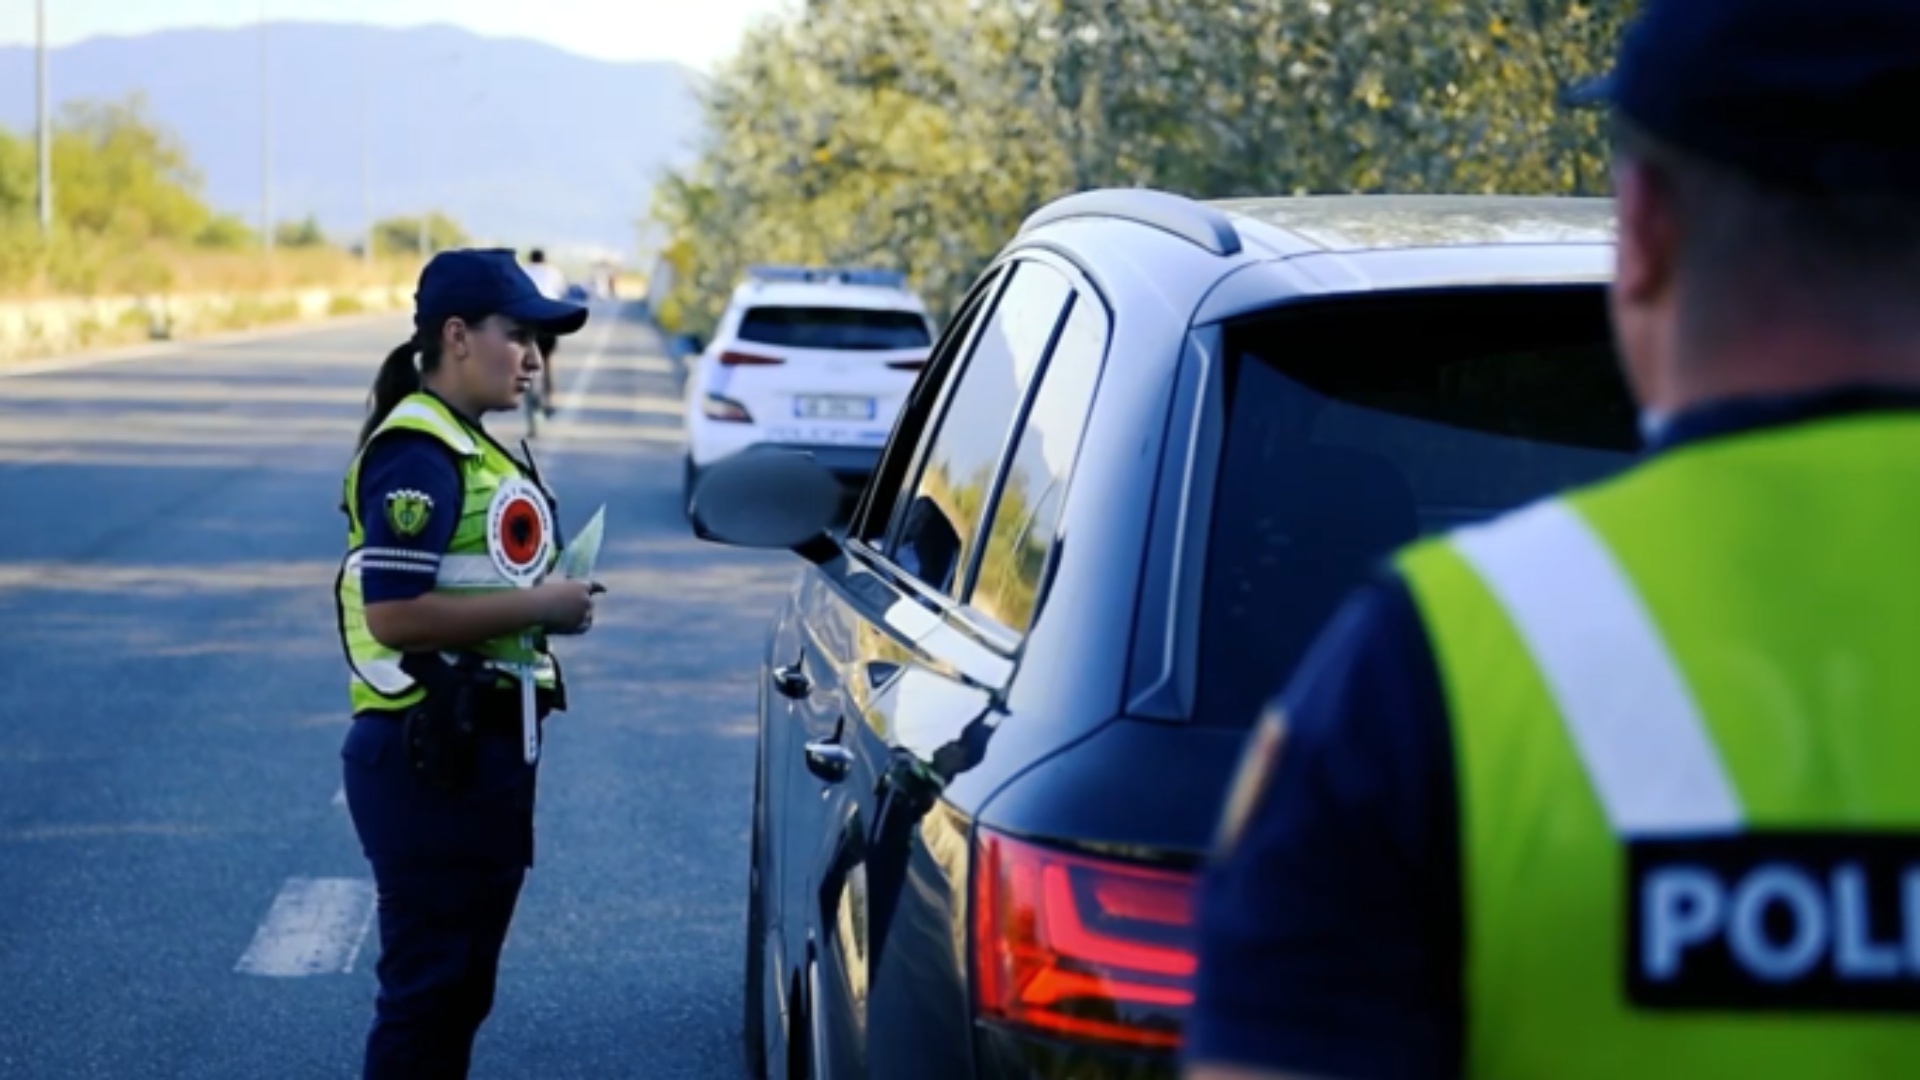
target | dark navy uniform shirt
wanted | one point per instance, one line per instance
(401, 565)
(1332, 935)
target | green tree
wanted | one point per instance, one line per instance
(401, 235)
(918, 133)
(19, 182)
(117, 172)
(305, 233)
(226, 232)
(124, 191)
(880, 132)
(20, 247)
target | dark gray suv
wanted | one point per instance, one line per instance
(1158, 443)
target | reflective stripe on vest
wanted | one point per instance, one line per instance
(469, 572)
(448, 431)
(380, 669)
(1627, 708)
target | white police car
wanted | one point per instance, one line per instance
(811, 358)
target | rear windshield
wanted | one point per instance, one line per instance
(1357, 426)
(834, 328)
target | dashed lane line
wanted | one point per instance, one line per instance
(315, 927)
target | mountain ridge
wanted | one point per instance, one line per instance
(522, 142)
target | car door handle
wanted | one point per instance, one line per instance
(791, 682)
(828, 760)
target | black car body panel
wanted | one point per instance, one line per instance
(1022, 1055)
(1090, 795)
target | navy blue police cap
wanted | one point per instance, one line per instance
(472, 283)
(1812, 96)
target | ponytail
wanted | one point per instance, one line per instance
(398, 377)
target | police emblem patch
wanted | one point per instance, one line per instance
(1250, 780)
(520, 532)
(408, 511)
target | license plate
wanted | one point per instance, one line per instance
(827, 407)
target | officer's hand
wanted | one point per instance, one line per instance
(566, 607)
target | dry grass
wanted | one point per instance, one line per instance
(73, 266)
(98, 299)
(249, 271)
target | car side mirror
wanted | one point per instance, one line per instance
(768, 499)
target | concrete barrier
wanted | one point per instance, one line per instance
(32, 329)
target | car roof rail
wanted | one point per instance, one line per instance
(1196, 223)
(844, 275)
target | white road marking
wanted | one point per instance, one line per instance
(577, 400)
(574, 401)
(315, 927)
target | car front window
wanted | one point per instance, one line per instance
(1026, 515)
(945, 514)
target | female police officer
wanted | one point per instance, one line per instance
(443, 607)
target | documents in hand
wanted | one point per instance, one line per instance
(576, 563)
(580, 557)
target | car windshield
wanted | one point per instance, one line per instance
(835, 328)
(1355, 426)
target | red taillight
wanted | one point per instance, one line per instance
(1080, 946)
(731, 358)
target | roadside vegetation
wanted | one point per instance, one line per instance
(130, 220)
(917, 134)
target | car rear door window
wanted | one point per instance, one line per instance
(849, 329)
(942, 519)
(1357, 426)
(1024, 520)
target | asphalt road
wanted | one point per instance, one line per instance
(181, 893)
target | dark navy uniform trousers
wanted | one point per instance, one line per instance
(448, 871)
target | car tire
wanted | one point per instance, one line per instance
(753, 1036)
(800, 1029)
(689, 479)
(813, 1054)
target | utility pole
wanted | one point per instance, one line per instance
(425, 148)
(366, 171)
(41, 106)
(266, 140)
(423, 153)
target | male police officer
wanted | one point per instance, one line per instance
(1622, 784)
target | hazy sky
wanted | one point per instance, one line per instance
(694, 32)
